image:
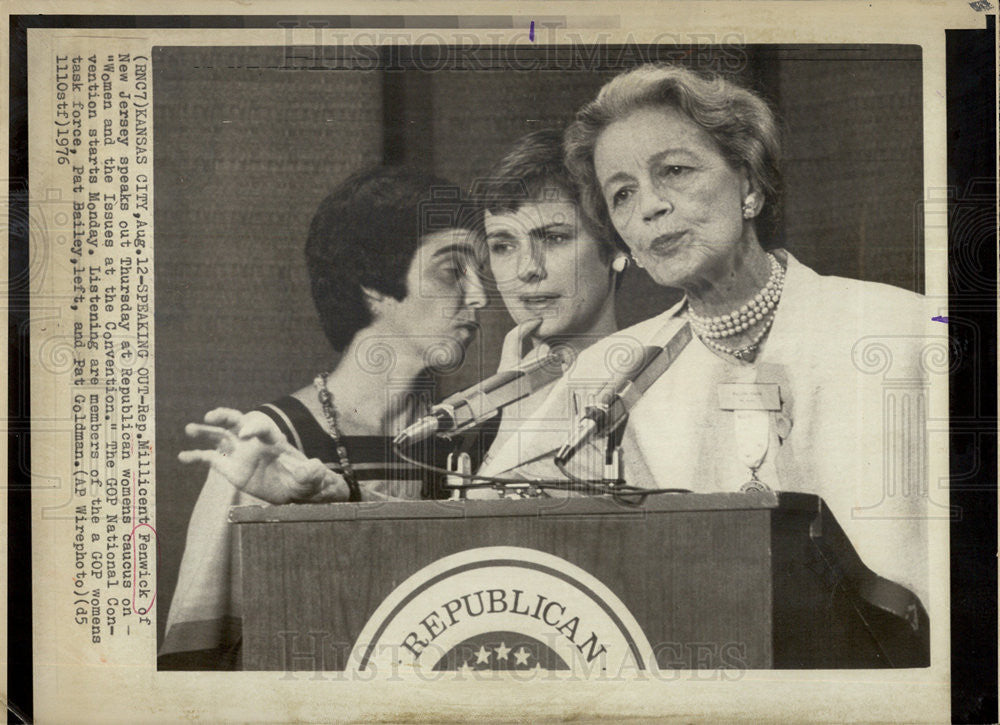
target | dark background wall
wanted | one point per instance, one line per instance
(249, 140)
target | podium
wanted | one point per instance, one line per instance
(728, 580)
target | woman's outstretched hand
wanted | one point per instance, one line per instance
(254, 456)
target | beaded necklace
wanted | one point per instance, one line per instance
(330, 412)
(759, 309)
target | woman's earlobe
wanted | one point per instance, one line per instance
(750, 206)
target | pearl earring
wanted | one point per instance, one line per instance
(620, 263)
(750, 207)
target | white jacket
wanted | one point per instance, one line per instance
(854, 362)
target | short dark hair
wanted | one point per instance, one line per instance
(533, 165)
(366, 233)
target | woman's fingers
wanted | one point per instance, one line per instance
(226, 417)
(328, 486)
(307, 471)
(212, 432)
(257, 425)
(196, 456)
(513, 344)
(308, 475)
(521, 332)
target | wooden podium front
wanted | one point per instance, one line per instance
(759, 580)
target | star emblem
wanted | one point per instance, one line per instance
(482, 656)
(502, 651)
(522, 656)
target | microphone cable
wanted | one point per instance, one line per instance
(573, 483)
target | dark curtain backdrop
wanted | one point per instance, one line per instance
(249, 140)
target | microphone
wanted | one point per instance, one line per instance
(607, 411)
(614, 401)
(480, 402)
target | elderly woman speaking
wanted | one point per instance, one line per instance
(777, 388)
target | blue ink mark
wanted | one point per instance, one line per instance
(939, 318)
(531, 32)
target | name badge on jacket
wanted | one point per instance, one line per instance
(749, 396)
(751, 404)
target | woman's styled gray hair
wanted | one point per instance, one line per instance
(738, 120)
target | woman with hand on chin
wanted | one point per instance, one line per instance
(684, 166)
(395, 302)
(551, 264)
(556, 271)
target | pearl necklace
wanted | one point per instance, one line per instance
(741, 352)
(760, 309)
(746, 316)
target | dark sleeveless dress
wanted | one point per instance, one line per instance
(204, 629)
